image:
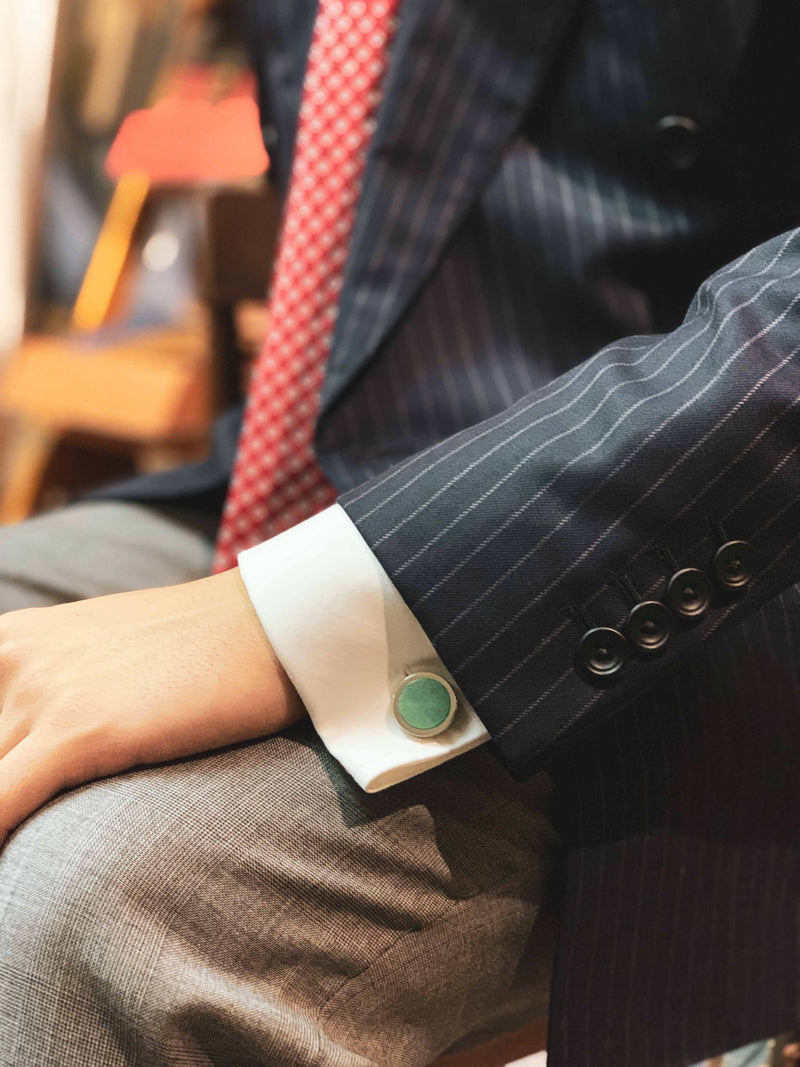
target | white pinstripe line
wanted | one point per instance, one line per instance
(566, 198)
(504, 192)
(427, 195)
(621, 466)
(695, 546)
(410, 560)
(759, 579)
(756, 489)
(426, 400)
(593, 940)
(477, 701)
(446, 212)
(569, 671)
(559, 385)
(679, 876)
(437, 346)
(662, 878)
(693, 900)
(733, 672)
(796, 688)
(768, 866)
(529, 426)
(648, 545)
(765, 481)
(642, 863)
(659, 583)
(713, 909)
(579, 897)
(546, 208)
(610, 964)
(391, 212)
(506, 209)
(393, 373)
(506, 440)
(497, 367)
(572, 377)
(470, 368)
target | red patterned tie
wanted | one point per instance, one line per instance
(276, 480)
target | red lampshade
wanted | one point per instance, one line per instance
(191, 141)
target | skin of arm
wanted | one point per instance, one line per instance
(99, 686)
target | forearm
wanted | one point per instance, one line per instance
(95, 687)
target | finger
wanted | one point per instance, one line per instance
(8, 660)
(30, 774)
(11, 733)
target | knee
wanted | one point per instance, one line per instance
(67, 877)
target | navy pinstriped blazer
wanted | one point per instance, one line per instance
(567, 364)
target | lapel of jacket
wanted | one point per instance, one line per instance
(462, 73)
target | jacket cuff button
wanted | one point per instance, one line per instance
(689, 594)
(649, 626)
(602, 652)
(424, 704)
(734, 565)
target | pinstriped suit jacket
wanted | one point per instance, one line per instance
(522, 415)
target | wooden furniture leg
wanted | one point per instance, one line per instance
(28, 453)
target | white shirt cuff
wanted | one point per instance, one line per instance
(347, 639)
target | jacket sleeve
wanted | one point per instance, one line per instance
(564, 555)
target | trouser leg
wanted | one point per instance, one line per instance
(254, 906)
(93, 549)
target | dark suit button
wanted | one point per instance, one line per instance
(689, 593)
(649, 626)
(734, 565)
(602, 651)
(677, 141)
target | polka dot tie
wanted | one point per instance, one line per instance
(276, 479)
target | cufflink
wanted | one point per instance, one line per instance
(424, 704)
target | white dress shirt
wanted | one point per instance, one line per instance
(347, 639)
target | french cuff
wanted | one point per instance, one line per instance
(348, 642)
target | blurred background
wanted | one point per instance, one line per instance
(137, 225)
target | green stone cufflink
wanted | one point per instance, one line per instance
(424, 704)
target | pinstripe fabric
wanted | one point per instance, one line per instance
(697, 888)
(432, 151)
(577, 238)
(490, 533)
(521, 213)
(480, 522)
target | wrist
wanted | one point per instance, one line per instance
(262, 676)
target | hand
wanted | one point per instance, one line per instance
(93, 688)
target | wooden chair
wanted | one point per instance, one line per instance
(155, 393)
(149, 394)
(152, 394)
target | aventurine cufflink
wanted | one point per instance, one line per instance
(424, 704)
